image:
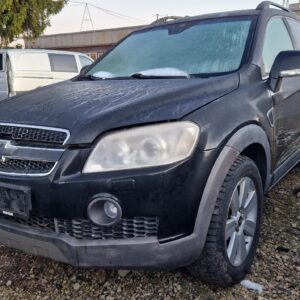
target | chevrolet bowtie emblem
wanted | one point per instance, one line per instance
(3, 152)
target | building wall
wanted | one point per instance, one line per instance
(93, 43)
(296, 8)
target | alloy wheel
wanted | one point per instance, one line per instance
(241, 221)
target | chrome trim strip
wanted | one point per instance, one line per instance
(289, 73)
(8, 150)
(29, 174)
(40, 127)
(57, 151)
(270, 117)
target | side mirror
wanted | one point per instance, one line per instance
(83, 69)
(286, 64)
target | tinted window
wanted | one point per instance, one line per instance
(63, 63)
(84, 61)
(295, 27)
(204, 47)
(277, 39)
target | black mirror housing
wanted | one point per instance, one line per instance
(83, 69)
(285, 61)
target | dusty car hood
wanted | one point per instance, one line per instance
(89, 108)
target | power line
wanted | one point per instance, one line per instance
(116, 14)
(110, 12)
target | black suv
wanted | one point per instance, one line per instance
(159, 154)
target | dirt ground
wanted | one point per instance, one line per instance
(277, 266)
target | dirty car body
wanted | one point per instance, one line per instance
(48, 136)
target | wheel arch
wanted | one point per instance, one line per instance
(257, 153)
(251, 140)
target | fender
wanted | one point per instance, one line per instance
(246, 136)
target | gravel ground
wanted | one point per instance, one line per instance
(277, 266)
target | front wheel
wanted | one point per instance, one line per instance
(235, 227)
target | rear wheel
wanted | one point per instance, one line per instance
(234, 229)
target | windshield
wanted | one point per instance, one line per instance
(202, 47)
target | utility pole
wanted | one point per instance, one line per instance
(87, 17)
(286, 3)
(157, 16)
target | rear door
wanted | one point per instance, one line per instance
(3, 77)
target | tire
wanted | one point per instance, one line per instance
(223, 262)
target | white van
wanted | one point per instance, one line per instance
(23, 70)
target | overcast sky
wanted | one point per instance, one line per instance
(69, 20)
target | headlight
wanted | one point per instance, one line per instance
(144, 146)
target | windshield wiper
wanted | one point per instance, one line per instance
(89, 77)
(161, 73)
(99, 76)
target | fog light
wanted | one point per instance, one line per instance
(105, 210)
(110, 209)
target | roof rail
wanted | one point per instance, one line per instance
(166, 19)
(267, 4)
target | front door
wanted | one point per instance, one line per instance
(286, 110)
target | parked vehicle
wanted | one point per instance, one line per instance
(158, 157)
(25, 70)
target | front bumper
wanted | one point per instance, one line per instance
(170, 193)
(131, 253)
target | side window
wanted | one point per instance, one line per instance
(84, 61)
(27, 62)
(277, 39)
(63, 63)
(1, 62)
(295, 27)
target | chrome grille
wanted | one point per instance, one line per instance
(25, 166)
(33, 134)
(30, 151)
(83, 229)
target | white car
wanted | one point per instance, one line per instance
(23, 70)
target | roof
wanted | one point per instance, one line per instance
(16, 51)
(93, 31)
(83, 39)
(263, 7)
(235, 13)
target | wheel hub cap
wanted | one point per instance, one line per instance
(241, 221)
